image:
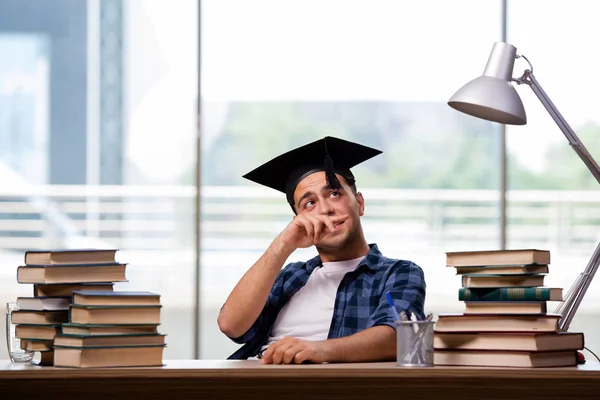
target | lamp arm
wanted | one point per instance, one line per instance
(575, 295)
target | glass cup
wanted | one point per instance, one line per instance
(414, 343)
(15, 352)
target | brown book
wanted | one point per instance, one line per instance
(509, 341)
(104, 330)
(505, 307)
(39, 317)
(111, 298)
(497, 323)
(71, 273)
(66, 257)
(46, 332)
(90, 357)
(108, 340)
(46, 359)
(37, 345)
(126, 315)
(494, 281)
(503, 269)
(497, 257)
(66, 290)
(522, 359)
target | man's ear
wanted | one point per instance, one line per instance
(361, 203)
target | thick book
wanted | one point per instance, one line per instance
(108, 340)
(505, 307)
(96, 357)
(43, 303)
(46, 359)
(509, 341)
(126, 315)
(517, 359)
(70, 256)
(66, 290)
(108, 329)
(503, 269)
(495, 281)
(497, 257)
(41, 332)
(510, 294)
(71, 273)
(497, 323)
(108, 298)
(39, 317)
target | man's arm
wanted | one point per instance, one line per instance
(249, 296)
(373, 344)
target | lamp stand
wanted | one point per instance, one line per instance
(574, 296)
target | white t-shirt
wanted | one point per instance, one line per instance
(309, 312)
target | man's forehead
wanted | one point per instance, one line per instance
(315, 182)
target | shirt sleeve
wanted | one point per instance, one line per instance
(268, 314)
(406, 285)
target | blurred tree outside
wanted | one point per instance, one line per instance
(425, 146)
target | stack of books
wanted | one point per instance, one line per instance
(111, 329)
(61, 279)
(506, 320)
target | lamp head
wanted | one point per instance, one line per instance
(492, 96)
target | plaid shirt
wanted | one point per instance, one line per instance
(360, 302)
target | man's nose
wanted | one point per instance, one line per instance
(326, 207)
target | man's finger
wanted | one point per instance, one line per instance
(308, 227)
(267, 356)
(301, 356)
(317, 226)
(277, 355)
(336, 219)
(290, 354)
(327, 221)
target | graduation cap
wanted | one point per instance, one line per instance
(330, 154)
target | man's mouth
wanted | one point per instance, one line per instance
(339, 223)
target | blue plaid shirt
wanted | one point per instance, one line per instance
(360, 302)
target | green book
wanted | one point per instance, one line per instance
(510, 294)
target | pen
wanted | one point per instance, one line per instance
(391, 303)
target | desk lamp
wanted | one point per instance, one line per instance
(493, 97)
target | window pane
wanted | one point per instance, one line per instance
(278, 74)
(97, 135)
(553, 200)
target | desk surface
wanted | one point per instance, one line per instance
(250, 379)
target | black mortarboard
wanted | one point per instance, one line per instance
(330, 154)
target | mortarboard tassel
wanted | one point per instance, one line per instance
(332, 179)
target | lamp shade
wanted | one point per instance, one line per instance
(492, 96)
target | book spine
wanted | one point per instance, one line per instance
(504, 294)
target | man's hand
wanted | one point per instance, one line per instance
(291, 350)
(306, 230)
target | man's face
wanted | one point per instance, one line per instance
(314, 196)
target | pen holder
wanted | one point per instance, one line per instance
(414, 343)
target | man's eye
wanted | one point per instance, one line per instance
(335, 193)
(309, 203)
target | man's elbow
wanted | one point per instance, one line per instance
(227, 326)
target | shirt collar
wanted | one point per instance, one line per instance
(372, 260)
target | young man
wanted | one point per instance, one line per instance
(332, 308)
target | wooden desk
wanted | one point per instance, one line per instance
(183, 379)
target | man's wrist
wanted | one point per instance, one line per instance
(280, 246)
(330, 350)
